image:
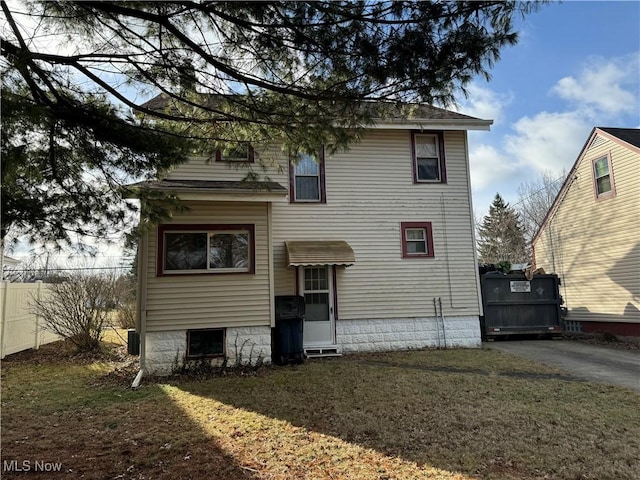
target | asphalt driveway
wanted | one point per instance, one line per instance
(584, 361)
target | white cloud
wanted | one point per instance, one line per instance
(609, 86)
(548, 141)
(489, 166)
(484, 103)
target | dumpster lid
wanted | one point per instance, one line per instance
(327, 252)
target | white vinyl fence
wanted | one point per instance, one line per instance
(19, 328)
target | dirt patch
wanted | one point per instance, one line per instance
(604, 340)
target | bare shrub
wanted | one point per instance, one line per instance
(126, 313)
(77, 308)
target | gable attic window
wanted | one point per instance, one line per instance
(238, 153)
(417, 240)
(428, 157)
(185, 249)
(602, 176)
(306, 178)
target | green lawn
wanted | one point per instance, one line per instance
(433, 414)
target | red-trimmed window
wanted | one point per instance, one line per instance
(306, 179)
(189, 249)
(427, 150)
(237, 153)
(417, 240)
(603, 177)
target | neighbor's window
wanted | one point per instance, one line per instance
(205, 343)
(417, 239)
(219, 249)
(428, 157)
(241, 152)
(307, 178)
(602, 176)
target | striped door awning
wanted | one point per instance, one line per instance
(329, 252)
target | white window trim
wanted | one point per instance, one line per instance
(437, 157)
(423, 240)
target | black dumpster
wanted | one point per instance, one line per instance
(514, 304)
(286, 336)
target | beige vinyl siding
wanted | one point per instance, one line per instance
(212, 300)
(205, 168)
(594, 244)
(369, 191)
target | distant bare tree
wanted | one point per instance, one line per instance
(535, 198)
(78, 308)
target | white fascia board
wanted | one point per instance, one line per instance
(209, 196)
(434, 125)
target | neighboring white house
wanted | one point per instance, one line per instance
(591, 235)
(375, 239)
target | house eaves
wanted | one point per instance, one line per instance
(208, 190)
(383, 115)
(433, 124)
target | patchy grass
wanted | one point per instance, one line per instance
(433, 414)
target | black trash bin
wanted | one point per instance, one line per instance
(286, 336)
(133, 342)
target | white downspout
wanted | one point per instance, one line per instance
(143, 262)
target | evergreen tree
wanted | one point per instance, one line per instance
(501, 235)
(299, 73)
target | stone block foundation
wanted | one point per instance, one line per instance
(166, 350)
(407, 333)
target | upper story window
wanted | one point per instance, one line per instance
(417, 239)
(206, 249)
(602, 176)
(306, 176)
(428, 157)
(240, 152)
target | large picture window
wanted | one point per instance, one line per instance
(428, 157)
(306, 174)
(206, 249)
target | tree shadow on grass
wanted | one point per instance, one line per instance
(454, 422)
(108, 433)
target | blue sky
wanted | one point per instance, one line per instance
(575, 67)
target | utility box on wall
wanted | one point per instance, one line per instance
(515, 305)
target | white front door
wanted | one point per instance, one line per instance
(316, 285)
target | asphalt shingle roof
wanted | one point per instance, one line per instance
(629, 135)
(417, 111)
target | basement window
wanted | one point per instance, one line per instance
(205, 343)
